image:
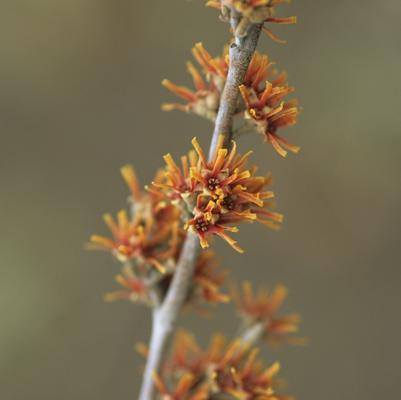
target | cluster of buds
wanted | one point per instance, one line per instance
(260, 313)
(263, 92)
(224, 368)
(148, 240)
(219, 193)
(251, 12)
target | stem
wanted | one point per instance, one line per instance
(241, 52)
(254, 333)
(166, 315)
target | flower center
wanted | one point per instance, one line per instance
(202, 225)
(228, 203)
(213, 183)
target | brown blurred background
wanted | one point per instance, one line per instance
(80, 96)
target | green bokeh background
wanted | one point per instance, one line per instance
(80, 96)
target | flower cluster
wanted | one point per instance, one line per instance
(184, 389)
(149, 243)
(209, 82)
(267, 110)
(224, 368)
(252, 12)
(150, 236)
(207, 285)
(262, 308)
(263, 92)
(202, 197)
(219, 192)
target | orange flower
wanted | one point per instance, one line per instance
(209, 279)
(258, 71)
(218, 193)
(228, 368)
(206, 285)
(240, 374)
(252, 12)
(209, 82)
(179, 184)
(134, 288)
(269, 113)
(150, 236)
(144, 201)
(205, 224)
(264, 307)
(204, 100)
(263, 91)
(183, 389)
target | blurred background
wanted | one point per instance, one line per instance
(80, 96)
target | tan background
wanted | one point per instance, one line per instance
(79, 97)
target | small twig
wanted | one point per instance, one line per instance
(165, 316)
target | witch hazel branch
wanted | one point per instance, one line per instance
(163, 241)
